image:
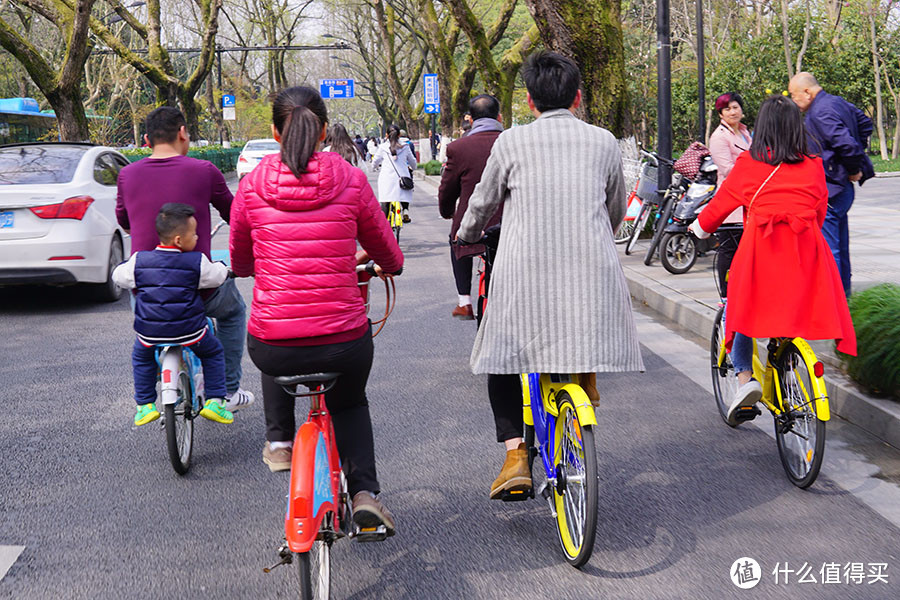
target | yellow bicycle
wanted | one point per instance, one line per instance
(395, 218)
(794, 392)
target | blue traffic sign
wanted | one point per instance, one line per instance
(336, 88)
(432, 95)
(227, 100)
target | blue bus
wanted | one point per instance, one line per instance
(21, 120)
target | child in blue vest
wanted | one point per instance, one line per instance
(169, 311)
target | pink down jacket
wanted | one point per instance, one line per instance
(298, 237)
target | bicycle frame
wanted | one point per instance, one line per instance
(541, 414)
(316, 480)
(769, 376)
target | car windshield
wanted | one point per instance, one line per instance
(262, 146)
(39, 164)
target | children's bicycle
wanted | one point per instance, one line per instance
(794, 392)
(182, 396)
(319, 509)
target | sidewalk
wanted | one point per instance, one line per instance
(691, 300)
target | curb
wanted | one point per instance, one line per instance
(878, 417)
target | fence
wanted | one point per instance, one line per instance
(224, 158)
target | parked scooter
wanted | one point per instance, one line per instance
(679, 249)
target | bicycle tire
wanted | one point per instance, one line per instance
(724, 380)
(666, 213)
(576, 502)
(396, 229)
(314, 569)
(180, 426)
(640, 223)
(529, 444)
(678, 252)
(623, 234)
(801, 458)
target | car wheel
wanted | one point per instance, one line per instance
(109, 291)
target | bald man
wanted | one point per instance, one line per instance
(838, 132)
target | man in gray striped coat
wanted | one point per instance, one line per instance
(558, 299)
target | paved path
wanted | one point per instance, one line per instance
(101, 514)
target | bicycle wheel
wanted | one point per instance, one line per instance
(396, 229)
(576, 489)
(180, 426)
(639, 223)
(624, 232)
(668, 207)
(799, 432)
(315, 571)
(678, 252)
(724, 380)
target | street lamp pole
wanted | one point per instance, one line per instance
(701, 74)
(221, 93)
(663, 92)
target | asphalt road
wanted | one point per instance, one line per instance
(101, 514)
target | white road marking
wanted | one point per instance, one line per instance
(8, 556)
(850, 470)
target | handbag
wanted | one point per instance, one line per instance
(406, 183)
(689, 162)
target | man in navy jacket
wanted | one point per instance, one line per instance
(838, 132)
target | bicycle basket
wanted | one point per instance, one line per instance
(689, 162)
(647, 190)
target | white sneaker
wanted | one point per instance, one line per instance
(746, 395)
(240, 399)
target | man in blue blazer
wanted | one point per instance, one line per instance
(838, 132)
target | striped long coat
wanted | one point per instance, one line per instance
(558, 300)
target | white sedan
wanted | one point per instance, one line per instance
(57, 215)
(253, 152)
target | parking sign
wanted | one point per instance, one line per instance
(432, 95)
(227, 100)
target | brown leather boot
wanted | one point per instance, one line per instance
(514, 475)
(588, 382)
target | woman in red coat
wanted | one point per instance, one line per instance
(784, 281)
(295, 223)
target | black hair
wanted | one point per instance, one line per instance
(484, 106)
(172, 220)
(393, 135)
(163, 124)
(552, 80)
(339, 141)
(779, 135)
(299, 114)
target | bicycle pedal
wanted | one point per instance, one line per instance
(369, 534)
(517, 495)
(747, 413)
(287, 557)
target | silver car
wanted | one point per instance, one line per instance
(57, 215)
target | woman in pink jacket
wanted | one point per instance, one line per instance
(295, 223)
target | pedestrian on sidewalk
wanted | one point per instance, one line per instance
(559, 302)
(400, 163)
(783, 281)
(466, 158)
(838, 132)
(169, 175)
(726, 143)
(297, 219)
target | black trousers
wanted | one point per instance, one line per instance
(462, 272)
(505, 393)
(346, 402)
(728, 245)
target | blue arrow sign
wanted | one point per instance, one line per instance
(336, 88)
(432, 95)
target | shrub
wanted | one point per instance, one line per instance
(433, 167)
(876, 318)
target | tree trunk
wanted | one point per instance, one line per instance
(879, 100)
(590, 32)
(73, 124)
(786, 38)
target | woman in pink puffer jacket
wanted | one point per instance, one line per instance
(295, 222)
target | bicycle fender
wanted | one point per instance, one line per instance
(820, 391)
(169, 370)
(583, 406)
(311, 491)
(527, 416)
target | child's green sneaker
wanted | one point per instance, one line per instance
(146, 413)
(214, 410)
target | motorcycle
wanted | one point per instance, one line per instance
(678, 248)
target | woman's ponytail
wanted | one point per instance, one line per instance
(299, 114)
(393, 135)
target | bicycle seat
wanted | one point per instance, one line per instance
(310, 380)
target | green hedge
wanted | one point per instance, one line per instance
(876, 318)
(432, 167)
(224, 158)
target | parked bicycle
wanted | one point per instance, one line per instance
(647, 195)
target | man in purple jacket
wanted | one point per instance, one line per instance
(466, 158)
(168, 175)
(838, 132)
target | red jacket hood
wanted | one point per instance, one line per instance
(327, 175)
